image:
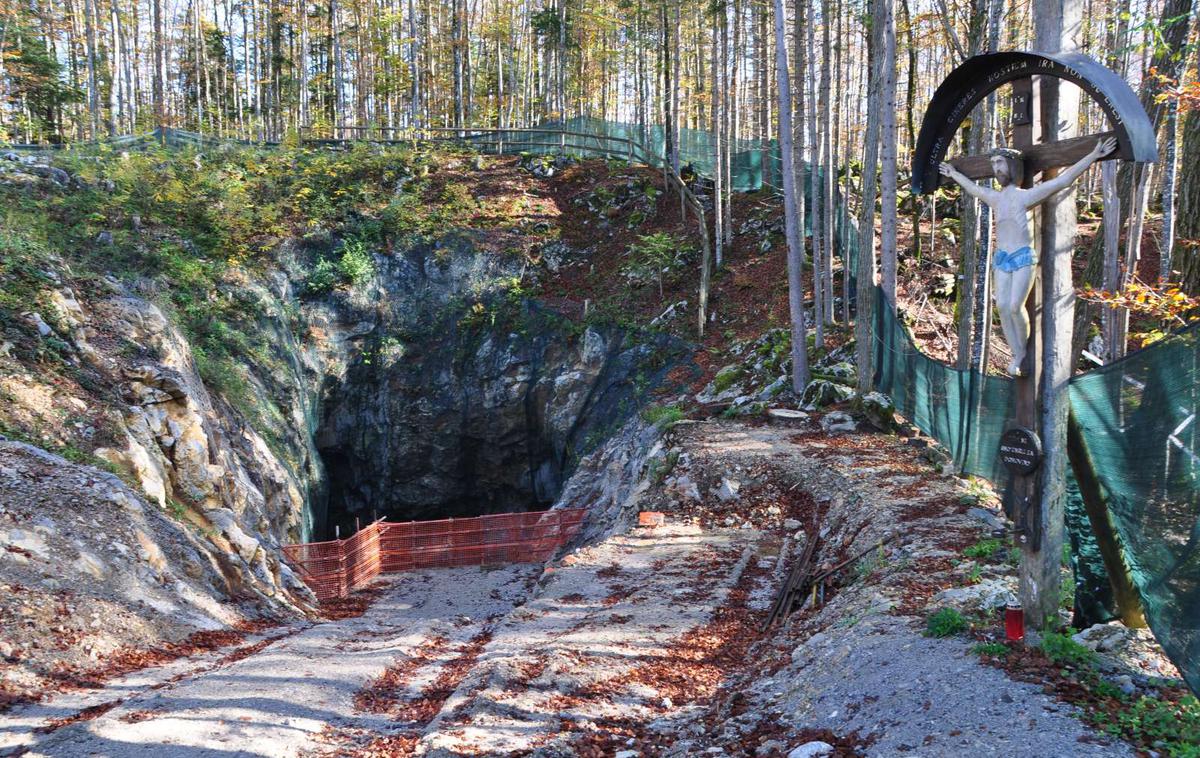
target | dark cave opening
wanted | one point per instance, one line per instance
(474, 421)
(359, 490)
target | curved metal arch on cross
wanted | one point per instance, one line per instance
(977, 77)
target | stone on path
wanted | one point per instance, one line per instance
(838, 421)
(811, 750)
(786, 416)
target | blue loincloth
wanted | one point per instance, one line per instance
(1014, 261)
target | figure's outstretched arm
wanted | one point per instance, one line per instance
(977, 191)
(1049, 187)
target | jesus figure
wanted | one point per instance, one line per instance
(1016, 259)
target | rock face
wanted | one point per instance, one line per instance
(431, 390)
(186, 449)
(91, 566)
(451, 410)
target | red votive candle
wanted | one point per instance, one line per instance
(1014, 622)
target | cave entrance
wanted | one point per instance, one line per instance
(412, 484)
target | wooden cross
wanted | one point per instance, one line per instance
(1023, 501)
(1035, 497)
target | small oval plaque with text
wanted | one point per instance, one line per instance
(1020, 451)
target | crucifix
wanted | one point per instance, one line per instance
(1034, 170)
(1014, 264)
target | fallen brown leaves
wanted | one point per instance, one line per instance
(383, 693)
(134, 717)
(353, 606)
(87, 714)
(64, 677)
(248, 650)
(688, 671)
(423, 709)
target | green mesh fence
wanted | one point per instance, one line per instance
(1094, 602)
(1138, 417)
(595, 137)
(965, 411)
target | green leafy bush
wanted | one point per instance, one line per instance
(946, 622)
(356, 266)
(652, 258)
(323, 277)
(663, 415)
(1065, 651)
(984, 549)
(1171, 728)
(992, 649)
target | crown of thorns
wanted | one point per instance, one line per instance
(1006, 152)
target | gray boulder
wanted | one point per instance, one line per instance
(822, 392)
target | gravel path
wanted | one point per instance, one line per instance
(278, 701)
(590, 648)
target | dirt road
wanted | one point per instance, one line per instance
(445, 662)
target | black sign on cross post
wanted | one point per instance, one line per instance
(1020, 450)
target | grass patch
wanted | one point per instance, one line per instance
(983, 550)
(945, 622)
(663, 416)
(990, 649)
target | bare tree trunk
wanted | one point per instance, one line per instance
(865, 295)
(674, 124)
(731, 138)
(92, 85)
(816, 162)
(1041, 571)
(718, 172)
(1166, 246)
(1112, 319)
(457, 41)
(910, 110)
(791, 218)
(888, 225)
(827, 111)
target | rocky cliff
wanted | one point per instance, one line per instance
(451, 410)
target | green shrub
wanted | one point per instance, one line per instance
(1171, 728)
(23, 284)
(946, 622)
(653, 257)
(356, 266)
(663, 415)
(456, 197)
(984, 549)
(1065, 651)
(992, 649)
(323, 277)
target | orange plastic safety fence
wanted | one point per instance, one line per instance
(336, 568)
